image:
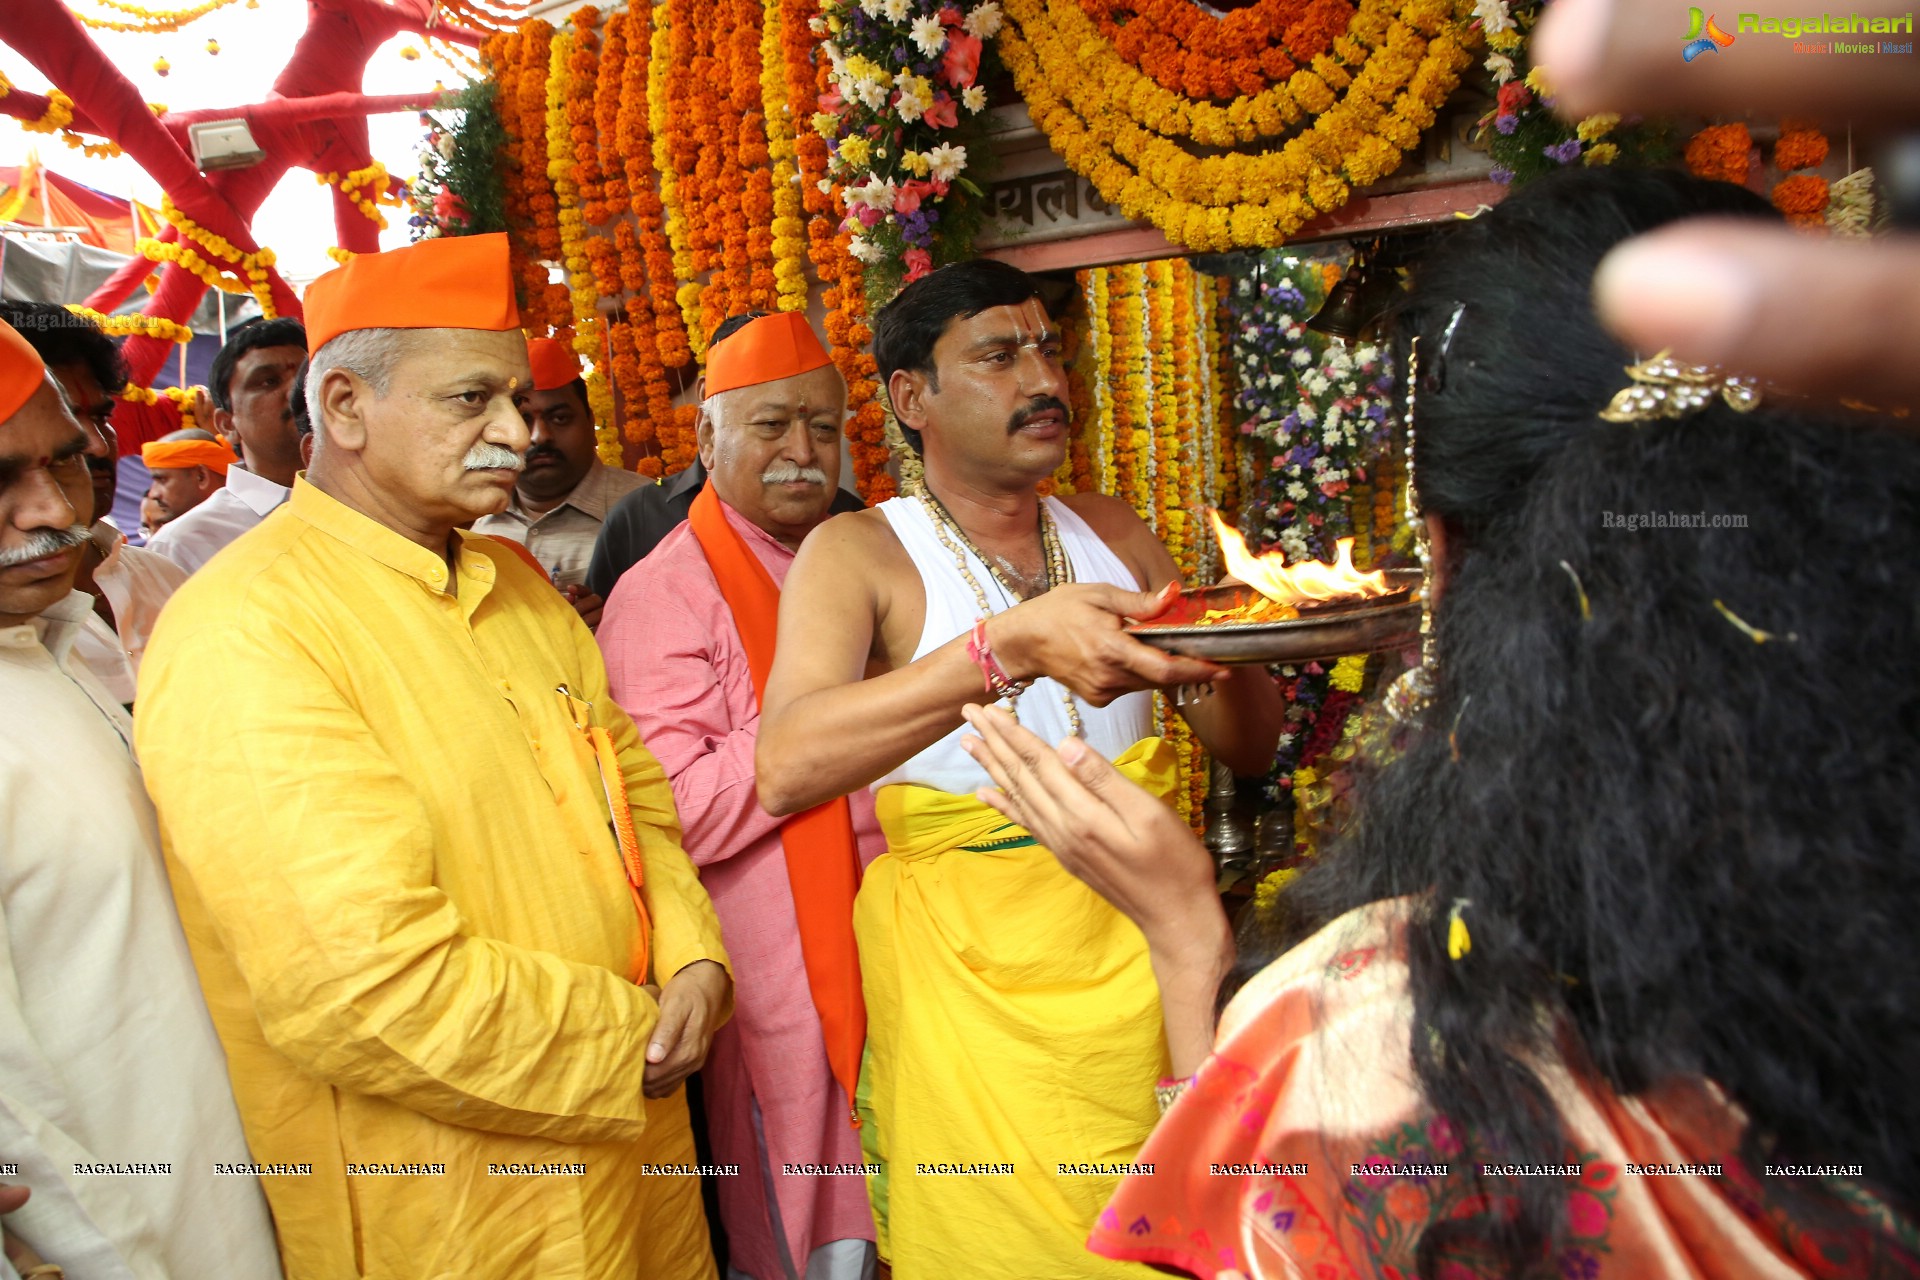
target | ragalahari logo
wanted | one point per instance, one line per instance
(1703, 35)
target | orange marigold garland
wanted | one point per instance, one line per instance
(1722, 153)
(1801, 145)
(668, 336)
(1803, 198)
(606, 119)
(674, 151)
(1192, 53)
(583, 79)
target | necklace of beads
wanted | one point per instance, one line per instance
(1059, 570)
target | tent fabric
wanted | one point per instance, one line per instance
(35, 196)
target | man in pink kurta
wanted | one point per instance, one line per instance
(676, 661)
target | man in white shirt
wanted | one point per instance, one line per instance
(115, 1108)
(563, 495)
(249, 384)
(128, 584)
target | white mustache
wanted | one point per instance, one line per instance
(45, 543)
(491, 457)
(786, 471)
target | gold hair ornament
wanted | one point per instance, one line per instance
(1665, 388)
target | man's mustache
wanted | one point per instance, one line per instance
(1033, 410)
(44, 543)
(785, 471)
(492, 457)
(544, 451)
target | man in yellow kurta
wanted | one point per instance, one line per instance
(418, 933)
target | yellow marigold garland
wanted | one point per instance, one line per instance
(373, 179)
(136, 325)
(564, 89)
(149, 21)
(1131, 440)
(789, 245)
(236, 272)
(1369, 101)
(1146, 383)
(181, 397)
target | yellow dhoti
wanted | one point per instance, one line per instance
(1014, 1039)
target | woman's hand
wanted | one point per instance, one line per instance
(1133, 850)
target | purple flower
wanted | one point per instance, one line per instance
(1563, 153)
(1506, 124)
(1501, 174)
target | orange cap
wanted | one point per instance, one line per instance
(453, 282)
(554, 363)
(22, 371)
(162, 455)
(764, 350)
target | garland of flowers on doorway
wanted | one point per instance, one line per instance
(1151, 428)
(1252, 171)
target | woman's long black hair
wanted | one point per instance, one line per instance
(1672, 770)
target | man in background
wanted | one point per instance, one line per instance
(107, 1057)
(688, 636)
(565, 491)
(128, 584)
(188, 467)
(249, 384)
(637, 523)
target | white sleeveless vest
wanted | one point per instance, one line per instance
(951, 610)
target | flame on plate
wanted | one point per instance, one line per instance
(1310, 580)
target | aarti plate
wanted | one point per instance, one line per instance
(1324, 630)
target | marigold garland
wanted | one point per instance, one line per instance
(655, 338)
(182, 399)
(371, 178)
(135, 325)
(789, 234)
(149, 21)
(612, 79)
(1803, 198)
(1391, 71)
(1194, 54)
(235, 272)
(56, 118)
(1800, 146)
(672, 44)
(672, 41)
(569, 81)
(582, 80)
(1150, 342)
(1721, 152)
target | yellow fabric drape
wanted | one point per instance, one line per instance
(1014, 1024)
(389, 846)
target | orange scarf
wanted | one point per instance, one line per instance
(823, 864)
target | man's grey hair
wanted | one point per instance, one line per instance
(369, 353)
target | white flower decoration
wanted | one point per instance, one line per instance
(973, 98)
(983, 20)
(929, 35)
(947, 161)
(866, 250)
(896, 10)
(873, 194)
